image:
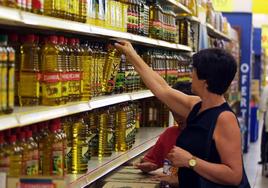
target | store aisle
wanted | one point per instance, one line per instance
(254, 171)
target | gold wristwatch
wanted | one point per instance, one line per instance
(192, 162)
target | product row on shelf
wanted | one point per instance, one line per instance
(66, 145)
(55, 70)
(154, 19)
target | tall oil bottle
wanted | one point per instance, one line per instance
(3, 73)
(102, 133)
(29, 76)
(10, 79)
(42, 147)
(13, 41)
(15, 157)
(74, 66)
(120, 129)
(79, 147)
(86, 71)
(64, 76)
(51, 69)
(31, 156)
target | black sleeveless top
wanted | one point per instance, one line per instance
(194, 140)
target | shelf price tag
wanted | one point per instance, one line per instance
(3, 179)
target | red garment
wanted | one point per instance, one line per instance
(164, 144)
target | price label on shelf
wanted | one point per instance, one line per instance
(3, 179)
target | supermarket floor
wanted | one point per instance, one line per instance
(254, 171)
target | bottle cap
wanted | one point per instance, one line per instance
(71, 41)
(29, 134)
(3, 38)
(77, 41)
(61, 39)
(55, 124)
(13, 37)
(21, 135)
(30, 38)
(12, 138)
(1, 138)
(53, 39)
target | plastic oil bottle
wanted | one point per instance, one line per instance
(15, 157)
(13, 41)
(32, 161)
(50, 8)
(102, 133)
(10, 79)
(120, 129)
(75, 76)
(79, 147)
(86, 68)
(51, 68)
(83, 11)
(111, 120)
(42, 147)
(4, 163)
(3, 73)
(64, 76)
(29, 83)
(53, 153)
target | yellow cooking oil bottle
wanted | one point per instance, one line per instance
(53, 152)
(10, 79)
(75, 71)
(120, 129)
(102, 133)
(79, 147)
(101, 64)
(63, 66)
(13, 41)
(110, 69)
(83, 10)
(29, 73)
(3, 73)
(42, 146)
(31, 156)
(49, 7)
(3, 155)
(15, 157)
(67, 129)
(110, 126)
(86, 71)
(51, 69)
(94, 76)
(63, 141)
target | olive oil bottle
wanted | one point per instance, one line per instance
(29, 76)
(15, 157)
(51, 69)
(3, 74)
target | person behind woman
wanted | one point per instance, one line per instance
(213, 71)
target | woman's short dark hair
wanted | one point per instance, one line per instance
(217, 67)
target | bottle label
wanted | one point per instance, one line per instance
(51, 85)
(29, 84)
(11, 72)
(65, 84)
(74, 83)
(3, 87)
(57, 159)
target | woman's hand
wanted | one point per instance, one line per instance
(126, 48)
(179, 157)
(146, 166)
(170, 179)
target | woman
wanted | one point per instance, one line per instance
(213, 71)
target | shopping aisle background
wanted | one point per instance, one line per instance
(253, 169)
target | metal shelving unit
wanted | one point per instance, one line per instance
(34, 114)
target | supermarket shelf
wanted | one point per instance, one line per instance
(8, 121)
(28, 115)
(9, 16)
(194, 19)
(145, 139)
(179, 8)
(215, 33)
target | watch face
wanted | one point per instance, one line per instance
(192, 162)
